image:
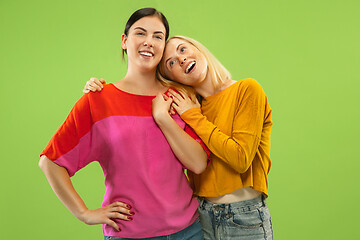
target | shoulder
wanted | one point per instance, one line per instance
(107, 90)
(249, 83)
(95, 98)
(250, 86)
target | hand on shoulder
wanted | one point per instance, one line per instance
(94, 85)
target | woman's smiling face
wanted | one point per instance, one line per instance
(145, 42)
(183, 62)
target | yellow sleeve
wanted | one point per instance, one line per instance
(239, 149)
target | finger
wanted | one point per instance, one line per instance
(185, 96)
(172, 110)
(167, 99)
(120, 204)
(176, 107)
(102, 81)
(91, 88)
(175, 94)
(196, 100)
(112, 224)
(119, 216)
(98, 83)
(92, 79)
(87, 87)
(86, 91)
(182, 93)
(192, 98)
(121, 210)
(176, 100)
(178, 110)
(95, 86)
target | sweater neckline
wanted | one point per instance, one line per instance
(209, 98)
(133, 94)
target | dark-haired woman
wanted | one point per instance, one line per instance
(140, 147)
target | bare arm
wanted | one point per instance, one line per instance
(60, 182)
(187, 150)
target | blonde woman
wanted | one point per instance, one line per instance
(234, 121)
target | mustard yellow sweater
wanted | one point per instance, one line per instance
(235, 124)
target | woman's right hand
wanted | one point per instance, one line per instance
(60, 182)
(94, 85)
(161, 107)
(105, 215)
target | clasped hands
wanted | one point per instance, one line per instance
(180, 102)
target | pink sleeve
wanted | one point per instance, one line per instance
(192, 134)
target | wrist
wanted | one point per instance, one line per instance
(189, 110)
(162, 118)
(81, 214)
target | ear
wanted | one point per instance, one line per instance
(123, 41)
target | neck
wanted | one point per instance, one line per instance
(141, 82)
(206, 88)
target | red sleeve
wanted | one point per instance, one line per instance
(70, 145)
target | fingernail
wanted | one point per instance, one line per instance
(130, 218)
(128, 206)
(132, 213)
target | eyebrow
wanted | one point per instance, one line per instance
(143, 29)
(177, 49)
(157, 32)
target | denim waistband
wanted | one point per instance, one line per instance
(242, 206)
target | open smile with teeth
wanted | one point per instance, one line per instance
(190, 67)
(147, 54)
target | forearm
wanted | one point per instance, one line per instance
(186, 149)
(61, 184)
(238, 153)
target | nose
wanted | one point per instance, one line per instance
(182, 60)
(148, 42)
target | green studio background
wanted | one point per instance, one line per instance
(305, 54)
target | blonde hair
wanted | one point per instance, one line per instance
(218, 73)
(190, 91)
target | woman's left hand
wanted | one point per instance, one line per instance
(182, 102)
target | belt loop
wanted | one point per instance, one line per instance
(227, 208)
(263, 199)
(201, 202)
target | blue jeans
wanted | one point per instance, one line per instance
(192, 232)
(248, 220)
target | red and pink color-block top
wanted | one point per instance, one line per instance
(117, 129)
